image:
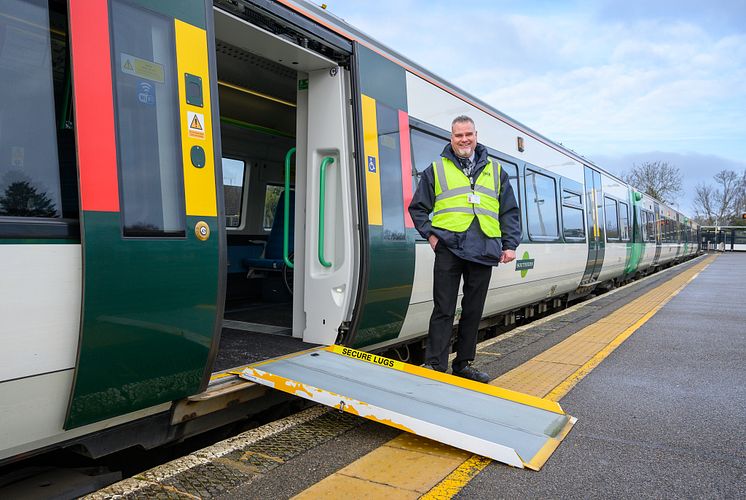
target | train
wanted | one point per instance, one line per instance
(188, 187)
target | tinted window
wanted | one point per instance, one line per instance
(37, 176)
(541, 206)
(651, 226)
(147, 114)
(512, 172)
(389, 155)
(572, 223)
(571, 198)
(271, 196)
(233, 187)
(624, 221)
(612, 223)
(426, 148)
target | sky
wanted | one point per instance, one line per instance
(620, 82)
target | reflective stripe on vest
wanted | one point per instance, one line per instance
(452, 210)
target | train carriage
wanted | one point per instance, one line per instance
(187, 187)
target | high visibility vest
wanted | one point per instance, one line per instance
(456, 202)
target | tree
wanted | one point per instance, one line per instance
(704, 201)
(658, 179)
(721, 204)
(22, 200)
(741, 200)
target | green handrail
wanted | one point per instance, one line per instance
(322, 195)
(286, 222)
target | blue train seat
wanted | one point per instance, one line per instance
(272, 258)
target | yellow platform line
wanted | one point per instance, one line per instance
(411, 466)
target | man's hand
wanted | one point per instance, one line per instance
(507, 256)
(433, 240)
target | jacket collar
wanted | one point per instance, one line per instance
(480, 156)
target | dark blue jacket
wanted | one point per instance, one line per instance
(472, 244)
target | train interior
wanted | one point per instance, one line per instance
(262, 113)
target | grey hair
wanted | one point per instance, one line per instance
(462, 119)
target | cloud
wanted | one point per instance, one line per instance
(606, 79)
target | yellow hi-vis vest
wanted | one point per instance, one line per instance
(454, 209)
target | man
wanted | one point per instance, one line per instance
(475, 226)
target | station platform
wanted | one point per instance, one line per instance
(653, 371)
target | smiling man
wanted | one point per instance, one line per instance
(475, 226)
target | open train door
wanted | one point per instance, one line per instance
(151, 229)
(330, 256)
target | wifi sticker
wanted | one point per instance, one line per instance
(146, 93)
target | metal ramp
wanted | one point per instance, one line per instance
(507, 426)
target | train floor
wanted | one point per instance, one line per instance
(255, 331)
(653, 371)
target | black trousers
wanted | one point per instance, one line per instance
(448, 271)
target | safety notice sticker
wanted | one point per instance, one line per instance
(196, 122)
(141, 67)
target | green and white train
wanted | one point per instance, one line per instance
(187, 187)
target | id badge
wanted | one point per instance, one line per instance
(473, 198)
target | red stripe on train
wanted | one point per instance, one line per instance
(94, 106)
(406, 165)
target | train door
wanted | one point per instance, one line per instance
(285, 131)
(149, 211)
(596, 229)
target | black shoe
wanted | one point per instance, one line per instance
(473, 374)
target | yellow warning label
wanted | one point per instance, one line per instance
(195, 122)
(366, 356)
(142, 67)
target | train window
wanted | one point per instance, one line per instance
(271, 196)
(612, 220)
(147, 116)
(426, 148)
(624, 221)
(650, 224)
(514, 182)
(37, 176)
(573, 228)
(541, 206)
(389, 156)
(512, 172)
(571, 198)
(233, 187)
(643, 225)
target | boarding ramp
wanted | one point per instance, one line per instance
(504, 425)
